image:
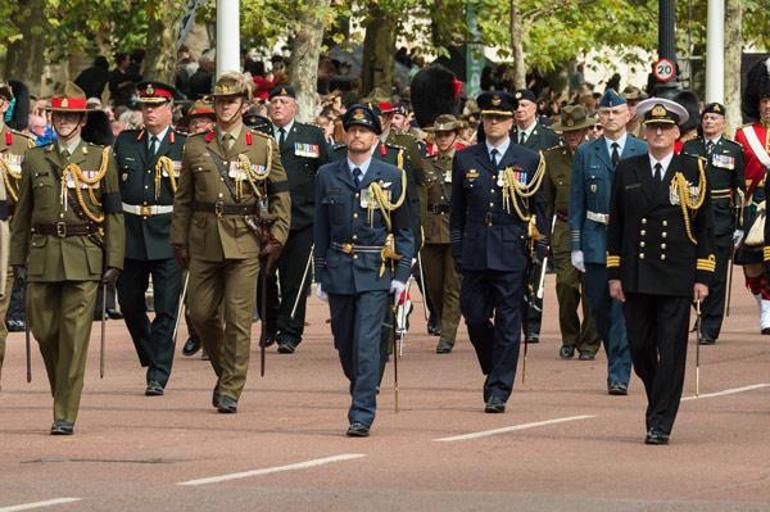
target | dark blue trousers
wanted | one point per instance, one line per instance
(357, 329)
(490, 301)
(608, 318)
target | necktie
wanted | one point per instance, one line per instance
(153, 144)
(522, 138)
(229, 140)
(709, 147)
(658, 171)
(357, 175)
(494, 153)
(281, 136)
(615, 154)
(65, 154)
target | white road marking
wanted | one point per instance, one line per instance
(39, 504)
(513, 428)
(727, 392)
(276, 469)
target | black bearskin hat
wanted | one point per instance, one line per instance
(434, 91)
(98, 129)
(688, 99)
(757, 87)
(21, 106)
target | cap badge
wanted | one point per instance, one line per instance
(659, 111)
(65, 103)
(149, 90)
(358, 114)
(496, 101)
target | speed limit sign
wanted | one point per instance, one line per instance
(664, 70)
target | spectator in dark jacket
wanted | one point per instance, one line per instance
(92, 80)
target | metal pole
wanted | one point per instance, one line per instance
(666, 34)
(715, 52)
(228, 36)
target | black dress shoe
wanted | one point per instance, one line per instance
(587, 356)
(765, 331)
(494, 406)
(357, 429)
(62, 428)
(617, 389)
(707, 340)
(269, 339)
(191, 347)
(655, 436)
(444, 347)
(434, 328)
(153, 389)
(16, 325)
(227, 404)
(566, 352)
(114, 314)
(532, 338)
(287, 346)
(215, 396)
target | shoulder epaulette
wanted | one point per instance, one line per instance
(339, 146)
(555, 146)
(732, 142)
(193, 135)
(260, 133)
(20, 134)
(394, 146)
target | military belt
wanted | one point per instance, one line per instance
(602, 218)
(562, 216)
(221, 208)
(148, 210)
(348, 248)
(439, 208)
(64, 229)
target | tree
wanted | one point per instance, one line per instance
(25, 52)
(162, 38)
(733, 50)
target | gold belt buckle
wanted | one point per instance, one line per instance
(218, 208)
(145, 211)
(347, 248)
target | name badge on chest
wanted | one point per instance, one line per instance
(307, 150)
(723, 161)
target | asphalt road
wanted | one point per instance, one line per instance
(563, 443)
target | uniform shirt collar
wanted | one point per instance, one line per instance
(235, 132)
(70, 146)
(528, 130)
(621, 142)
(160, 136)
(665, 162)
(364, 166)
(502, 148)
(286, 129)
(714, 141)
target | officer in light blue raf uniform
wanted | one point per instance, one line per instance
(495, 196)
(363, 256)
(593, 171)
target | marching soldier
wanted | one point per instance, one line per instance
(754, 138)
(68, 235)
(531, 134)
(148, 162)
(363, 252)
(441, 277)
(573, 126)
(724, 172)
(593, 172)
(659, 257)
(495, 193)
(13, 146)
(303, 151)
(231, 215)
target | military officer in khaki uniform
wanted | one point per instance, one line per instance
(13, 145)
(441, 276)
(231, 215)
(68, 235)
(573, 125)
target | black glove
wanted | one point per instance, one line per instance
(110, 276)
(269, 254)
(20, 273)
(181, 256)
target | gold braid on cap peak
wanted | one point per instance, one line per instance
(682, 187)
(513, 190)
(11, 187)
(79, 177)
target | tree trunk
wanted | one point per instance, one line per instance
(303, 72)
(379, 49)
(25, 56)
(733, 52)
(162, 37)
(517, 47)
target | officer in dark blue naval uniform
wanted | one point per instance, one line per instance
(363, 250)
(593, 171)
(495, 191)
(149, 161)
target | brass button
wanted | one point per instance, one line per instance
(643, 232)
(663, 256)
(665, 222)
(443, 198)
(662, 246)
(355, 256)
(664, 234)
(644, 220)
(355, 237)
(355, 215)
(220, 195)
(641, 255)
(357, 195)
(641, 244)
(491, 205)
(492, 190)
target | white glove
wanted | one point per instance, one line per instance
(737, 237)
(321, 294)
(577, 260)
(397, 288)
